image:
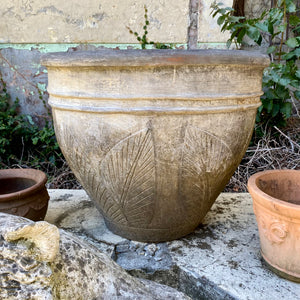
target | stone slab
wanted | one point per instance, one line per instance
(220, 260)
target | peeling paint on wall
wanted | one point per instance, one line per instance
(25, 80)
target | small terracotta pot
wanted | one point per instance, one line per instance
(276, 203)
(23, 193)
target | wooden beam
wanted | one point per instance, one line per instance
(238, 6)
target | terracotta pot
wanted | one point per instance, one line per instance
(23, 193)
(276, 203)
(154, 136)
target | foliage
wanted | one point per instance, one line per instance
(143, 40)
(281, 80)
(21, 138)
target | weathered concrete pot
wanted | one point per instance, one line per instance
(276, 203)
(23, 193)
(154, 136)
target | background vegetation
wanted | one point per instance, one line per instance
(276, 140)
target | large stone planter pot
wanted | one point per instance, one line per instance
(154, 135)
(276, 203)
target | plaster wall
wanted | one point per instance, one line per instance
(208, 29)
(30, 27)
(91, 21)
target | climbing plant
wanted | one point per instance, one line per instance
(279, 29)
(143, 39)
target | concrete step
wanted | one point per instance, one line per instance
(220, 260)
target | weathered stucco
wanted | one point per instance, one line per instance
(208, 29)
(90, 21)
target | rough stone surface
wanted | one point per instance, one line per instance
(29, 270)
(220, 260)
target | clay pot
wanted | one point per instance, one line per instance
(276, 203)
(23, 193)
(153, 136)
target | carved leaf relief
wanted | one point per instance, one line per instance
(204, 163)
(128, 178)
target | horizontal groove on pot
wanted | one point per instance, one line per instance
(192, 97)
(152, 110)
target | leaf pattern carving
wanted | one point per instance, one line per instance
(79, 162)
(204, 163)
(128, 180)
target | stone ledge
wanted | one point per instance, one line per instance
(220, 260)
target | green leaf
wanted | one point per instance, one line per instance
(241, 35)
(271, 28)
(286, 109)
(292, 42)
(294, 20)
(275, 110)
(253, 33)
(234, 19)
(297, 95)
(282, 92)
(291, 7)
(262, 26)
(35, 140)
(268, 105)
(282, 28)
(221, 20)
(30, 120)
(284, 81)
(288, 56)
(228, 43)
(297, 52)
(271, 49)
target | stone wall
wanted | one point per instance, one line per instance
(29, 28)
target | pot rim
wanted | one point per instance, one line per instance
(269, 201)
(36, 175)
(154, 57)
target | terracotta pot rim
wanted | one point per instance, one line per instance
(36, 175)
(269, 200)
(154, 57)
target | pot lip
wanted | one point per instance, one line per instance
(154, 57)
(36, 175)
(269, 201)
